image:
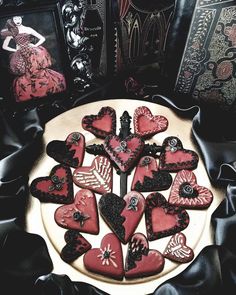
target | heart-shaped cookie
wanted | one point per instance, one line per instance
(55, 188)
(97, 177)
(122, 214)
(102, 124)
(140, 260)
(177, 250)
(82, 215)
(106, 260)
(163, 219)
(124, 152)
(148, 178)
(185, 192)
(175, 158)
(147, 125)
(76, 245)
(69, 152)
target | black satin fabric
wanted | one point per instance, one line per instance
(25, 264)
(214, 133)
(176, 39)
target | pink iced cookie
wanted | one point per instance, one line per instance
(102, 124)
(185, 192)
(106, 260)
(55, 188)
(163, 219)
(140, 260)
(177, 250)
(97, 177)
(82, 215)
(148, 177)
(124, 152)
(175, 158)
(147, 125)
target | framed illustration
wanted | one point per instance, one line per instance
(33, 56)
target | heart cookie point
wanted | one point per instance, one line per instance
(106, 260)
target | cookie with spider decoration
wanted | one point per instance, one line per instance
(69, 152)
(174, 157)
(124, 152)
(148, 177)
(82, 215)
(186, 192)
(146, 124)
(106, 260)
(140, 260)
(101, 124)
(55, 188)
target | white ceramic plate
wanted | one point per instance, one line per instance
(40, 217)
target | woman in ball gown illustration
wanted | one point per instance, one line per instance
(30, 62)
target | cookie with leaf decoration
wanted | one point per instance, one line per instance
(97, 177)
(177, 249)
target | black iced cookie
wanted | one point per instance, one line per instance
(69, 152)
(76, 245)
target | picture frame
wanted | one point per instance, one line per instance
(89, 33)
(33, 56)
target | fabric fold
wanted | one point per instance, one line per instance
(210, 132)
